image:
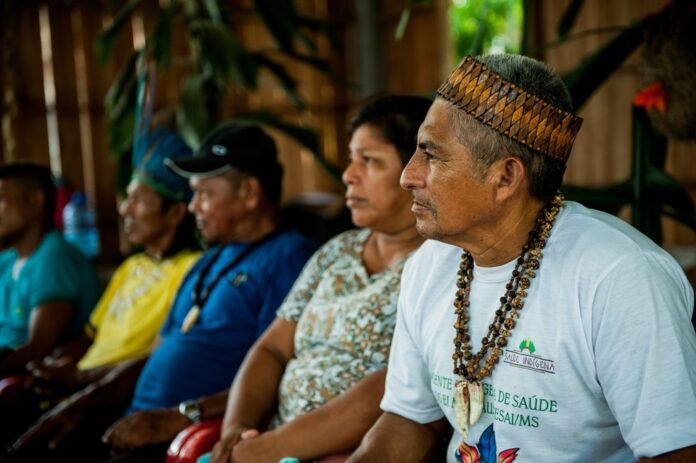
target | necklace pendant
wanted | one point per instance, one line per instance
(468, 404)
(190, 319)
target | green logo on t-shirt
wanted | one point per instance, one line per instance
(527, 344)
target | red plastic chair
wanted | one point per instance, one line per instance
(12, 388)
(201, 437)
(194, 441)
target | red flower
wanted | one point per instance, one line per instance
(652, 96)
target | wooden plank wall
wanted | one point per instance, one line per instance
(416, 64)
(84, 159)
(602, 154)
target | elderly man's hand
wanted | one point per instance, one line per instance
(54, 426)
(144, 428)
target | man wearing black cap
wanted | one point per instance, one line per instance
(227, 299)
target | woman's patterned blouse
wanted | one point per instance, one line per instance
(345, 321)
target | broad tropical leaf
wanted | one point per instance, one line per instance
(405, 17)
(569, 17)
(281, 18)
(223, 56)
(194, 117)
(288, 83)
(596, 68)
(161, 39)
(106, 42)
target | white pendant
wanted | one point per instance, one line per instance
(190, 319)
(468, 404)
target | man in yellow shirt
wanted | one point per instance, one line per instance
(127, 318)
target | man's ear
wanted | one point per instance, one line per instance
(37, 200)
(250, 192)
(177, 212)
(508, 176)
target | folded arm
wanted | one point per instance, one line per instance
(159, 426)
(48, 325)
(345, 420)
(253, 396)
(397, 439)
(114, 390)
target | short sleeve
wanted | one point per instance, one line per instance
(282, 273)
(407, 390)
(308, 281)
(645, 351)
(57, 278)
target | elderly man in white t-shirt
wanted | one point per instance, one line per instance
(539, 330)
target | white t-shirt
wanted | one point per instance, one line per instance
(601, 366)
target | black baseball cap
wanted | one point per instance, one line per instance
(245, 147)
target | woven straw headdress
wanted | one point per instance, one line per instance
(510, 110)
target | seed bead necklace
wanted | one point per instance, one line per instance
(468, 393)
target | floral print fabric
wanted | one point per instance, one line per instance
(345, 322)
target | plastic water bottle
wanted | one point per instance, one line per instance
(79, 225)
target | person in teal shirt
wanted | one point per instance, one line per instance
(47, 286)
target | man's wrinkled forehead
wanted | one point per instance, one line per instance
(439, 124)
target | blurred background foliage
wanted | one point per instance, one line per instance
(502, 26)
(218, 60)
(485, 26)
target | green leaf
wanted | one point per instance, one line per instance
(569, 17)
(663, 189)
(213, 10)
(687, 219)
(609, 199)
(223, 56)
(121, 131)
(106, 42)
(477, 45)
(323, 66)
(649, 153)
(527, 29)
(406, 17)
(594, 70)
(116, 99)
(403, 22)
(120, 102)
(317, 63)
(193, 116)
(288, 82)
(160, 41)
(326, 28)
(280, 17)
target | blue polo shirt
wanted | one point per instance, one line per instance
(237, 311)
(55, 271)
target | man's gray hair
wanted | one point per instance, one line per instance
(487, 146)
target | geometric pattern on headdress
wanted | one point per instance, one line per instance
(510, 110)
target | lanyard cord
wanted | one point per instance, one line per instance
(200, 294)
